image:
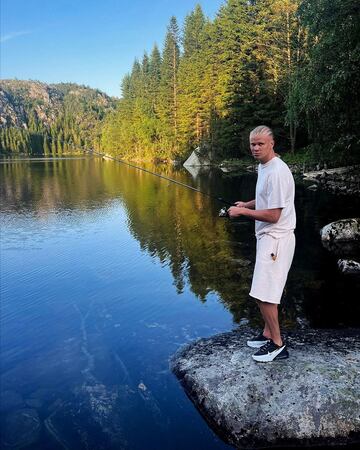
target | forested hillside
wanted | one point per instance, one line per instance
(37, 118)
(290, 64)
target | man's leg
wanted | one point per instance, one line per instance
(269, 311)
(266, 332)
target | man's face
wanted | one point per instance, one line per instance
(262, 147)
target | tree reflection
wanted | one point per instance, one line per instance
(181, 229)
(175, 225)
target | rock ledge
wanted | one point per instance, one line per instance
(312, 398)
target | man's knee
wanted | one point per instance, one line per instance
(263, 302)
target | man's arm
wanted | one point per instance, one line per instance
(249, 205)
(264, 215)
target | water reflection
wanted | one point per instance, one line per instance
(106, 271)
(178, 226)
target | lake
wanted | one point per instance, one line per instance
(106, 271)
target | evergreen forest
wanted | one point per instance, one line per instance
(289, 64)
(50, 120)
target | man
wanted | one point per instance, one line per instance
(274, 213)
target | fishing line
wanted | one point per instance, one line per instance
(223, 212)
(220, 199)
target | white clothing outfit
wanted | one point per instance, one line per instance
(275, 188)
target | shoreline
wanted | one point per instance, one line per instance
(340, 180)
(40, 159)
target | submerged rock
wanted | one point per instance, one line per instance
(312, 398)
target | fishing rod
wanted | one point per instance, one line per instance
(223, 212)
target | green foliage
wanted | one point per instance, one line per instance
(14, 139)
(328, 97)
(193, 111)
(56, 119)
(228, 78)
(288, 64)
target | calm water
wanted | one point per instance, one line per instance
(106, 271)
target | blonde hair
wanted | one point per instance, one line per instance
(262, 129)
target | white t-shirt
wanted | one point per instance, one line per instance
(275, 188)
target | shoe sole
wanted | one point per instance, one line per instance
(271, 357)
(281, 356)
(256, 344)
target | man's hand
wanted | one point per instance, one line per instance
(240, 204)
(236, 211)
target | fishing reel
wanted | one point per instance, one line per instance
(224, 212)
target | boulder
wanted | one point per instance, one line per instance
(340, 180)
(312, 398)
(336, 170)
(313, 187)
(198, 157)
(342, 238)
(341, 230)
(349, 266)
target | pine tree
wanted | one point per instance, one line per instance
(192, 34)
(53, 146)
(168, 107)
(192, 109)
(154, 78)
(328, 88)
(46, 148)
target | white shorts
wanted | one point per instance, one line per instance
(273, 261)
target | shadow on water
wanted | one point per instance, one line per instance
(107, 270)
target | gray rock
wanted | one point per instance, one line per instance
(341, 230)
(199, 157)
(227, 169)
(312, 398)
(313, 187)
(340, 180)
(336, 170)
(349, 266)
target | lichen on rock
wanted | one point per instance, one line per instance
(341, 230)
(310, 399)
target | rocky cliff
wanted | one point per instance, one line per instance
(66, 113)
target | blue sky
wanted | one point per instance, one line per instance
(89, 42)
